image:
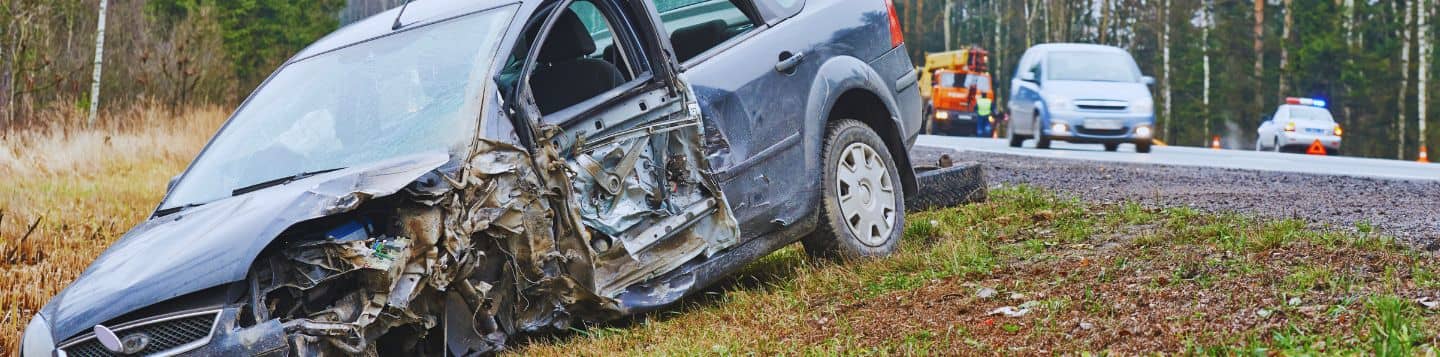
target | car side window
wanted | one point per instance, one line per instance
(778, 10)
(584, 55)
(697, 26)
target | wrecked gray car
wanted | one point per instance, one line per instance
(447, 176)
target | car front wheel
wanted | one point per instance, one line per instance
(862, 212)
(1041, 142)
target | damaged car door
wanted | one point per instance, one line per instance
(602, 92)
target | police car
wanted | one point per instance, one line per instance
(1300, 125)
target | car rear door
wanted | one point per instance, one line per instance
(755, 106)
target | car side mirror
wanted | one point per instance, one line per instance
(170, 186)
(1148, 80)
(1028, 77)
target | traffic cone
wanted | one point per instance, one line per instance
(1424, 156)
(1215, 142)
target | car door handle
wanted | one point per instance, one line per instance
(788, 62)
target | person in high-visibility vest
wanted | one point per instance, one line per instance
(984, 123)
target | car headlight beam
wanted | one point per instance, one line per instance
(37, 340)
(1143, 131)
(1059, 128)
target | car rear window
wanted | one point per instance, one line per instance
(1310, 114)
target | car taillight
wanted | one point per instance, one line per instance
(1338, 131)
(897, 34)
(1290, 127)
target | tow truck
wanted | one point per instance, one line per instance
(959, 94)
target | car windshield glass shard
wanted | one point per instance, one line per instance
(415, 91)
(1091, 67)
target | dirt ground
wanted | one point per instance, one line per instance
(1404, 209)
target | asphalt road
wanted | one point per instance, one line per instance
(1400, 199)
(1200, 157)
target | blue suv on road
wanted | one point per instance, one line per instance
(1081, 93)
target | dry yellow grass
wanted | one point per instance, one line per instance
(65, 195)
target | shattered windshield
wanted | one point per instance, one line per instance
(411, 92)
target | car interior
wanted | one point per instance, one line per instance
(571, 69)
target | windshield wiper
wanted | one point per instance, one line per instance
(176, 209)
(279, 181)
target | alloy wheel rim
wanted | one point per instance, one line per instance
(866, 194)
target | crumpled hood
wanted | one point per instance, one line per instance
(1097, 90)
(214, 244)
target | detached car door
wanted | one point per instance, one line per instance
(600, 90)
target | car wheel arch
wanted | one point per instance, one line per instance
(861, 96)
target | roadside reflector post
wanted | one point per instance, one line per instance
(1424, 155)
(1215, 142)
(1317, 149)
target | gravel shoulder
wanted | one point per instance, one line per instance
(1406, 209)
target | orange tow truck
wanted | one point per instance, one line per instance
(960, 96)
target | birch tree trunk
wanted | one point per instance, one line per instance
(1422, 77)
(949, 27)
(1165, 54)
(99, 63)
(1404, 78)
(1029, 37)
(1205, 52)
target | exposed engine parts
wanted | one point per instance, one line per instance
(516, 243)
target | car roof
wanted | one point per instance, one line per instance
(418, 12)
(1054, 47)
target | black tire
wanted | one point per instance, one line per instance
(1041, 142)
(1143, 148)
(949, 187)
(1112, 147)
(1016, 140)
(833, 238)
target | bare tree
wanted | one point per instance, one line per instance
(1404, 78)
(99, 63)
(1284, 88)
(1164, 16)
(1423, 76)
(1205, 51)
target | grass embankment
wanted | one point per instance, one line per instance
(1117, 279)
(65, 195)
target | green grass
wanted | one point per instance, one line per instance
(1111, 280)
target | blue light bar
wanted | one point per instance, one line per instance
(1306, 101)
